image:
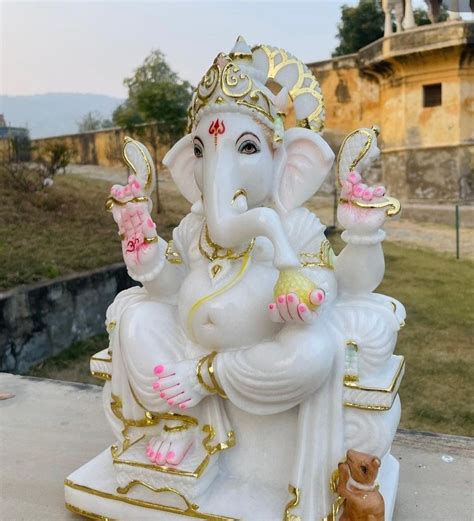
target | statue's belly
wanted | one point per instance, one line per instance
(238, 317)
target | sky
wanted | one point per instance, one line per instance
(90, 47)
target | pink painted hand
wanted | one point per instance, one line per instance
(353, 188)
(288, 308)
(361, 221)
(177, 384)
(131, 212)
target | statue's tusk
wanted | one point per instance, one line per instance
(393, 205)
(239, 200)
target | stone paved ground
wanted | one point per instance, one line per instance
(440, 237)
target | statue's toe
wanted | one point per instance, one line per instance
(164, 450)
(178, 450)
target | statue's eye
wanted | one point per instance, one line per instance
(197, 151)
(248, 147)
(363, 468)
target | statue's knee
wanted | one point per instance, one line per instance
(314, 358)
(133, 323)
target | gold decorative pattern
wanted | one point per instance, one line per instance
(136, 482)
(110, 326)
(389, 389)
(294, 502)
(216, 270)
(149, 419)
(304, 84)
(199, 376)
(392, 205)
(212, 376)
(367, 407)
(172, 256)
(336, 506)
(209, 360)
(353, 344)
(324, 258)
(101, 376)
(211, 434)
(363, 151)
(218, 252)
(85, 513)
(195, 474)
(149, 170)
(147, 504)
(111, 201)
(238, 193)
(225, 82)
(349, 378)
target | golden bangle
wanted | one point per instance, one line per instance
(212, 375)
(199, 377)
(217, 389)
(146, 240)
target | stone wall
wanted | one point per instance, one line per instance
(5, 149)
(41, 320)
(104, 147)
(438, 174)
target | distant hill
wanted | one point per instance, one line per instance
(54, 114)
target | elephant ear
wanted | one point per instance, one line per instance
(180, 162)
(308, 162)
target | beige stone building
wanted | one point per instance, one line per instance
(418, 86)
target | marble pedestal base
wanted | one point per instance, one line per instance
(92, 492)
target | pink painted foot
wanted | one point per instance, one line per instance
(169, 449)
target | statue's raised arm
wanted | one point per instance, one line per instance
(144, 252)
(362, 212)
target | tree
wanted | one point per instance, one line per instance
(93, 121)
(423, 18)
(156, 95)
(359, 26)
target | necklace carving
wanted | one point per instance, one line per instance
(214, 251)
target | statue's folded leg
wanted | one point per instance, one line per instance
(148, 332)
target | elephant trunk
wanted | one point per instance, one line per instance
(231, 224)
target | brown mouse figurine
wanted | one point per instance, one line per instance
(363, 501)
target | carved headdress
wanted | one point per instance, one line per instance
(273, 85)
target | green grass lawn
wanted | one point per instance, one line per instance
(63, 229)
(437, 340)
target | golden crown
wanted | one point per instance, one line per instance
(252, 78)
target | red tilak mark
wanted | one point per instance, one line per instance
(215, 128)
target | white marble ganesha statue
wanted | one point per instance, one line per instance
(251, 358)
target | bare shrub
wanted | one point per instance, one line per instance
(38, 175)
(55, 157)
